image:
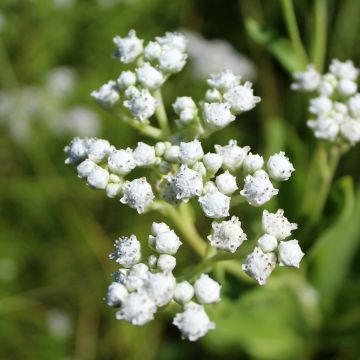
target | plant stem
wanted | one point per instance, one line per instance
(319, 45)
(161, 114)
(145, 129)
(293, 30)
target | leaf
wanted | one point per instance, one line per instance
(281, 48)
(334, 250)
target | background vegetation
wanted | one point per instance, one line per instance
(56, 234)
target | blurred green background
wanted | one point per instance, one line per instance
(56, 233)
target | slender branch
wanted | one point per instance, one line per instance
(320, 36)
(161, 113)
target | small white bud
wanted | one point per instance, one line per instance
(193, 323)
(258, 188)
(98, 178)
(116, 294)
(98, 150)
(252, 163)
(166, 263)
(279, 167)
(259, 265)
(144, 155)
(276, 224)
(113, 189)
(327, 85)
(350, 131)
(76, 150)
(290, 253)
(227, 235)
(213, 95)
(320, 106)
(207, 290)
(121, 161)
(127, 251)
(131, 91)
(149, 77)
(354, 105)
(127, 78)
(173, 40)
(185, 107)
(307, 80)
(142, 105)
(199, 167)
(343, 70)
(214, 203)
(152, 51)
(267, 243)
(233, 155)
(166, 242)
(152, 261)
(172, 60)
(160, 287)
(223, 80)
(212, 162)
(226, 183)
(241, 98)
(347, 87)
(172, 154)
(218, 115)
(184, 292)
(324, 128)
(85, 168)
(190, 152)
(160, 148)
(128, 48)
(138, 194)
(107, 96)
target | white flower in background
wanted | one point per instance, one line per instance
(320, 106)
(186, 183)
(61, 80)
(354, 105)
(224, 80)
(267, 243)
(241, 98)
(193, 323)
(346, 87)
(81, 121)
(350, 131)
(218, 115)
(149, 77)
(127, 251)
(127, 78)
(138, 194)
(128, 48)
(207, 290)
(212, 162)
(226, 183)
(344, 70)
(233, 155)
(279, 167)
(184, 292)
(258, 188)
(214, 203)
(252, 163)
(116, 294)
(166, 242)
(98, 178)
(324, 128)
(107, 95)
(144, 155)
(190, 152)
(142, 105)
(327, 85)
(307, 80)
(227, 235)
(277, 225)
(259, 265)
(290, 253)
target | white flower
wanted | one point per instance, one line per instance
(350, 131)
(290, 253)
(138, 308)
(190, 152)
(127, 251)
(160, 287)
(166, 263)
(259, 265)
(120, 275)
(276, 224)
(98, 178)
(172, 153)
(279, 167)
(98, 150)
(142, 105)
(128, 48)
(212, 162)
(252, 163)
(320, 106)
(213, 95)
(307, 80)
(152, 51)
(138, 194)
(121, 161)
(160, 148)
(166, 242)
(241, 98)
(168, 192)
(347, 87)
(324, 128)
(343, 70)
(193, 323)
(85, 168)
(185, 107)
(116, 294)
(258, 189)
(214, 203)
(158, 228)
(131, 91)
(226, 183)
(76, 150)
(218, 115)
(172, 60)
(173, 40)
(223, 80)
(233, 155)
(200, 168)
(140, 270)
(327, 84)
(149, 77)
(354, 105)
(184, 292)
(227, 235)
(113, 189)
(186, 183)
(267, 243)
(144, 155)
(207, 290)
(127, 78)
(107, 95)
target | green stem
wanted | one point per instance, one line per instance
(319, 45)
(161, 114)
(293, 30)
(145, 129)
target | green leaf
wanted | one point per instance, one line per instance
(334, 250)
(281, 48)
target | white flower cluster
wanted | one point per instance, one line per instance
(335, 110)
(139, 290)
(271, 248)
